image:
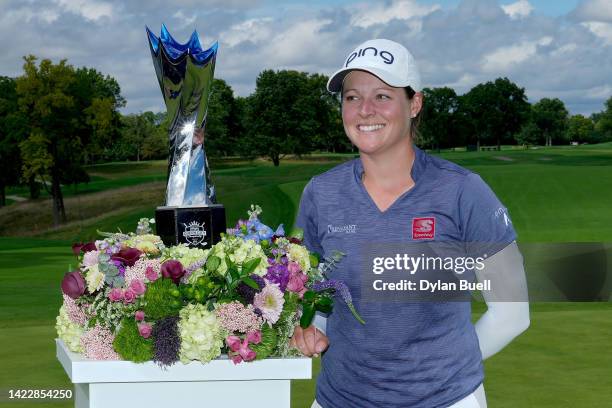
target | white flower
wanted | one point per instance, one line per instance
(200, 332)
(270, 302)
(90, 258)
(300, 255)
(94, 278)
(69, 332)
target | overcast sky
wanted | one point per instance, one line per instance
(559, 48)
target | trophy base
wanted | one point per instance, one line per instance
(199, 227)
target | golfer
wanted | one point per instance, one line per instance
(408, 354)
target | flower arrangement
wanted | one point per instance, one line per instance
(133, 298)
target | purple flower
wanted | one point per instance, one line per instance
(73, 284)
(247, 292)
(127, 256)
(83, 247)
(278, 273)
(166, 341)
(339, 287)
(173, 269)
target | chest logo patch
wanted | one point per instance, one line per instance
(423, 228)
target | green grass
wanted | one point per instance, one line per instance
(560, 194)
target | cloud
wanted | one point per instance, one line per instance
(477, 41)
(366, 15)
(593, 10)
(504, 58)
(521, 8)
(91, 10)
(601, 30)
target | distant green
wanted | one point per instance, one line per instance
(553, 195)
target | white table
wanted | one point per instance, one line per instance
(220, 383)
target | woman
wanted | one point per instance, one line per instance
(408, 354)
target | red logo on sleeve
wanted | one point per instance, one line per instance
(423, 228)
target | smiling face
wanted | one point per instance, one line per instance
(376, 116)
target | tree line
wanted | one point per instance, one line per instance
(55, 119)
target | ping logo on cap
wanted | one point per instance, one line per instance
(386, 56)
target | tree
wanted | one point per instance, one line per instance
(496, 111)
(603, 124)
(223, 125)
(98, 127)
(65, 114)
(550, 116)
(13, 127)
(581, 129)
(282, 114)
(437, 128)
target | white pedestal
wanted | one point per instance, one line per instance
(220, 383)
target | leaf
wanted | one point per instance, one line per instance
(249, 266)
(212, 263)
(309, 296)
(308, 312)
(250, 282)
(324, 304)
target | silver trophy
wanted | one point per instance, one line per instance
(185, 73)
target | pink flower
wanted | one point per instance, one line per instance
(245, 352)
(129, 296)
(115, 295)
(137, 286)
(296, 283)
(294, 267)
(145, 330)
(270, 302)
(233, 342)
(254, 337)
(236, 359)
(150, 274)
(139, 315)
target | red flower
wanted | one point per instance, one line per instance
(83, 247)
(127, 256)
(73, 284)
(173, 269)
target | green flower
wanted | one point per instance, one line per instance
(69, 332)
(201, 335)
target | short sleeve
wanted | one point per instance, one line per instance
(307, 219)
(485, 223)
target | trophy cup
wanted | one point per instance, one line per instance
(191, 214)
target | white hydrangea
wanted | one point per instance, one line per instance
(186, 255)
(201, 335)
(299, 254)
(94, 278)
(69, 332)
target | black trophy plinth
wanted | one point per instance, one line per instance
(195, 226)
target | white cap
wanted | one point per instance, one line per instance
(388, 60)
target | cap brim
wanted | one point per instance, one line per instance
(335, 82)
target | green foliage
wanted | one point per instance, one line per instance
(438, 117)
(604, 122)
(286, 113)
(13, 126)
(550, 116)
(160, 301)
(581, 129)
(71, 115)
(269, 340)
(493, 112)
(130, 345)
